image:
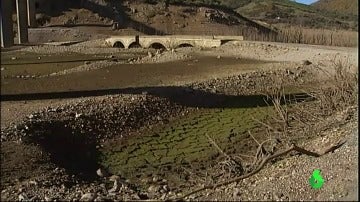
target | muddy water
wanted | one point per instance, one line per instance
(113, 77)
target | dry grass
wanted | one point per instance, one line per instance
(340, 87)
(334, 91)
(309, 36)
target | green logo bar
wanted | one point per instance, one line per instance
(316, 181)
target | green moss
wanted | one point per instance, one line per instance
(184, 140)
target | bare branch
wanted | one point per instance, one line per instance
(264, 161)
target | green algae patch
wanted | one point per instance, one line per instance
(183, 142)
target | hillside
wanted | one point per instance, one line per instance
(339, 6)
(252, 19)
(149, 17)
(281, 13)
(284, 12)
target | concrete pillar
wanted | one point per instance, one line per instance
(22, 21)
(7, 34)
(31, 13)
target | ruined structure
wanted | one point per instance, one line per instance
(25, 15)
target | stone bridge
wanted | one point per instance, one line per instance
(169, 42)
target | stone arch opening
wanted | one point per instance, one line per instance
(225, 41)
(135, 45)
(183, 45)
(157, 45)
(118, 44)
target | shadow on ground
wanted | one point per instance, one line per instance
(181, 95)
(69, 148)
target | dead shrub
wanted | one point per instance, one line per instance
(339, 87)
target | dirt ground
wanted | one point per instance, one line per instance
(110, 87)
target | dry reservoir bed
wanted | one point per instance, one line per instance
(150, 132)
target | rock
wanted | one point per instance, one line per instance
(13, 58)
(23, 197)
(31, 116)
(33, 182)
(218, 57)
(166, 188)
(163, 197)
(39, 58)
(153, 189)
(48, 198)
(114, 178)
(102, 173)
(87, 62)
(236, 192)
(150, 54)
(78, 115)
(115, 187)
(88, 197)
(155, 179)
(306, 62)
(289, 72)
(2, 68)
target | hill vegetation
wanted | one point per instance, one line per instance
(284, 13)
(280, 13)
(291, 22)
(338, 6)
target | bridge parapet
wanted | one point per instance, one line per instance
(171, 41)
(229, 38)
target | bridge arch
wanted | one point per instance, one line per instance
(157, 45)
(182, 45)
(135, 45)
(118, 44)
